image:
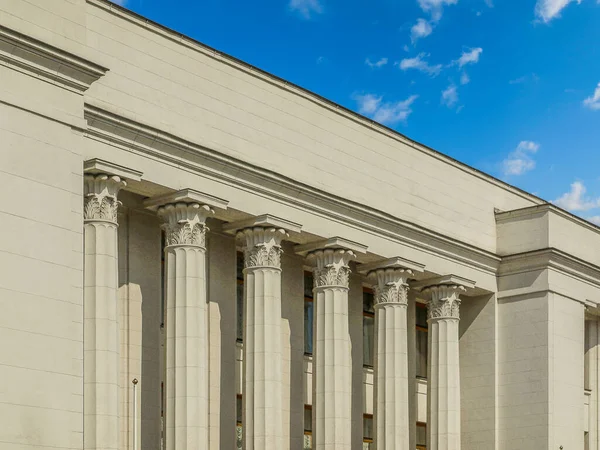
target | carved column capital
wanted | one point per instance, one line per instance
(331, 267)
(443, 301)
(184, 223)
(391, 285)
(100, 197)
(262, 246)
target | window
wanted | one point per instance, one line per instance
(421, 436)
(307, 427)
(368, 327)
(421, 337)
(308, 313)
(238, 425)
(368, 432)
(240, 297)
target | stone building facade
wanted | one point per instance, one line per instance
(275, 271)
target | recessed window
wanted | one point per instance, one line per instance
(368, 431)
(368, 327)
(238, 425)
(308, 313)
(421, 436)
(307, 427)
(421, 339)
(240, 297)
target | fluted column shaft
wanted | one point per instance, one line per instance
(101, 330)
(186, 326)
(262, 383)
(332, 362)
(443, 368)
(391, 359)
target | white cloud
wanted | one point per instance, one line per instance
(546, 10)
(450, 96)
(377, 64)
(387, 113)
(435, 7)
(419, 63)
(320, 60)
(464, 78)
(593, 101)
(489, 3)
(575, 199)
(420, 30)
(306, 8)
(520, 161)
(469, 57)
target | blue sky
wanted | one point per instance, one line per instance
(511, 87)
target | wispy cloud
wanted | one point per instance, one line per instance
(576, 200)
(593, 101)
(377, 64)
(306, 8)
(546, 10)
(470, 56)
(420, 30)
(387, 113)
(419, 63)
(450, 96)
(594, 219)
(435, 7)
(524, 79)
(464, 78)
(520, 161)
(320, 60)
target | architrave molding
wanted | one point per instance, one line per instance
(150, 142)
(550, 258)
(43, 61)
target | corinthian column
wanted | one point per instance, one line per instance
(184, 214)
(443, 365)
(332, 360)
(262, 385)
(390, 279)
(102, 182)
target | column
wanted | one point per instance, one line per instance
(262, 383)
(102, 182)
(443, 368)
(591, 382)
(332, 361)
(186, 408)
(390, 280)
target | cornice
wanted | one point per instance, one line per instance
(247, 68)
(530, 211)
(40, 60)
(135, 137)
(550, 258)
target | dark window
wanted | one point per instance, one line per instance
(308, 313)
(240, 297)
(238, 424)
(367, 431)
(368, 327)
(307, 427)
(421, 338)
(421, 436)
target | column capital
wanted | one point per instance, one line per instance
(100, 201)
(261, 237)
(443, 296)
(390, 278)
(102, 182)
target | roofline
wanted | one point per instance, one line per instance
(183, 39)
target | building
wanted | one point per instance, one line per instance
(153, 189)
